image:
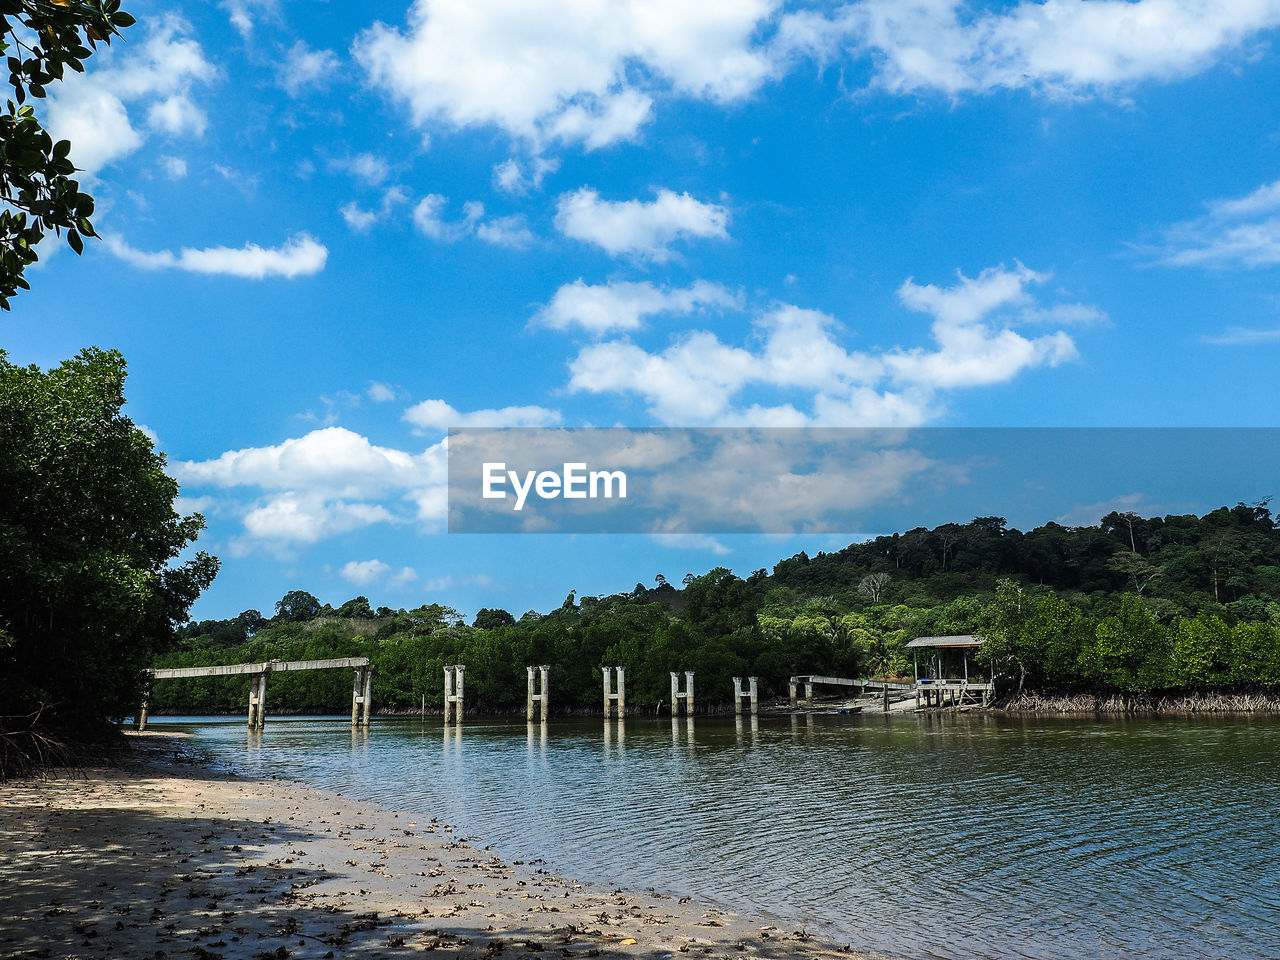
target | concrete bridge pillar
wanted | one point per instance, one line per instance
(257, 700)
(538, 693)
(750, 695)
(453, 692)
(793, 689)
(678, 695)
(612, 696)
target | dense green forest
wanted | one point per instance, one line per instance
(1132, 605)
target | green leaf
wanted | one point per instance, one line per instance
(73, 238)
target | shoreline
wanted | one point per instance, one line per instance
(164, 856)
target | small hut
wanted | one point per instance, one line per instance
(946, 670)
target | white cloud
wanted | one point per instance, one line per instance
(306, 69)
(327, 482)
(92, 110)
(638, 228)
(362, 220)
(174, 167)
(510, 231)
(513, 177)
(403, 577)
(364, 572)
(1244, 232)
(380, 392)
(437, 415)
(241, 13)
(369, 167)
(1058, 46)
(698, 379)
(692, 541)
(300, 518)
(623, 305)
(1244, 336)
(299, 256)
(429, 218)
(563, 69)
(176, 116)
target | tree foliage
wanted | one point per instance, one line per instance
(1131, 605)
(91, 591)
(41, 40)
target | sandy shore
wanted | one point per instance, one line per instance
(163, 858)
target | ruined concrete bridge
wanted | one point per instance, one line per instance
(361, 693)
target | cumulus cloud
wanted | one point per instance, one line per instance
(437, 415)
(299, 256)
(594, 74)
(361, 219)
(368, 167)
(380, 392)
(327, 482)
(306, 69)
(623, 305)
(430, 218)
(175, 168)
(638, 228)
(364, 572)
(1244, 232)
(545, 70)
(1068, 47)
(698, 378)
(513, 177)
(155, 78)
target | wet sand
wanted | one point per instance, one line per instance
(164, 858)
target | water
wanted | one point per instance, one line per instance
(967, 836)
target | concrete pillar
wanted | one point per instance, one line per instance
(368, 693)
(534, 696)
(544, 671)
(253, 701)
(528, 696)
(357, 691)
(737, 693)
(142, 717)
(262, 700)
(755, 695)
(808, 691)
(454, 695)
(793, 687)
(686, 695)
(612, 696)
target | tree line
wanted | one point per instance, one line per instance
(1130, 605)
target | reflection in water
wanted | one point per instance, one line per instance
(616, 728)
(937, 836)
(452, 734)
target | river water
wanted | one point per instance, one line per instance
(919, 837)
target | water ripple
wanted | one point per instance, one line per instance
(922, 837)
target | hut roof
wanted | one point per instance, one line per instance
(961, 640)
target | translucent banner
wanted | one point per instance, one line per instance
(812, 480)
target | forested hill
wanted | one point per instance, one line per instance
(1133, 604)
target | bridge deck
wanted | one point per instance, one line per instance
(269, 666)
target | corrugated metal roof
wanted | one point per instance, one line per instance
(962, 640)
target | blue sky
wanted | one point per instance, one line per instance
(331, 231)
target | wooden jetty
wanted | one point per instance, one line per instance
(361, 693)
